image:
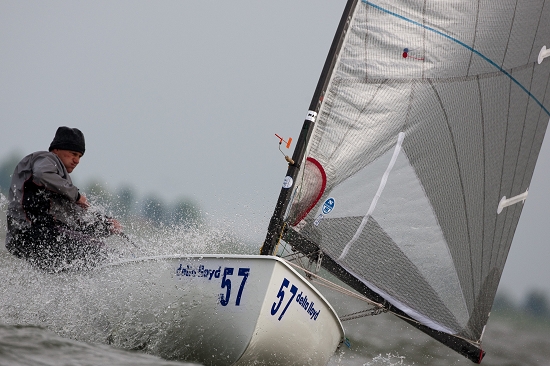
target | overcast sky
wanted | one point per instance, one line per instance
(183, 98)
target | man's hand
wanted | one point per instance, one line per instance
(83, 202)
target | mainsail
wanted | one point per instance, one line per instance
(417, 154)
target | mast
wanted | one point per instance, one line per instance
(276, 224)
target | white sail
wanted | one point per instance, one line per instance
(435, 110)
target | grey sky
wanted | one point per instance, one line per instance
(183, 98)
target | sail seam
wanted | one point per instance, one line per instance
(482, 118)
(523, 133)
(461, 180)
(510, 32)
(510, 228)
(459, 42)
(424, 38)
(505, 237)
(496, 231)
(366, 49)
(474, 40)
(535, 37)
(538, 124)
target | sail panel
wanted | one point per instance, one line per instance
(492, 33)
(527, 19)
(434, 112)
(394, 207)
(431, 147)
(343, 145)
(389, 270)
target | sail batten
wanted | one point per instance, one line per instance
(428, 114)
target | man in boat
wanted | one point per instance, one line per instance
(49, 223)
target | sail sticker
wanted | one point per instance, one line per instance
(311, 116)
(406, 54)
(383, 182)
(328, 206)
(459, 42)
(288, 181)
(544, 53)
(505, 202)
(318, 220)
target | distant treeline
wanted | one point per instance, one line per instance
(535, 304)
(123, 203)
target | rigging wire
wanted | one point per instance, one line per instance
(314, 278)
(364, 313)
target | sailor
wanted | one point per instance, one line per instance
(49, 223)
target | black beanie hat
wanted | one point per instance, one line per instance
(67, 138)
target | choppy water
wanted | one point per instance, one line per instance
(29, 336)
(375, 341)
(28, 345)
(384, 342)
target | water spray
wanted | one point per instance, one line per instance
(127, 238)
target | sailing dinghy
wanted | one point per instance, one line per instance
(409, 175)
(407, 183)
(212, 309)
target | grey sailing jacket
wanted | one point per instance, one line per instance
(46, 170)
(42, 199)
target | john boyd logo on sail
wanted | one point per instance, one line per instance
(328, 206)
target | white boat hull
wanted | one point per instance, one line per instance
(216, 310)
